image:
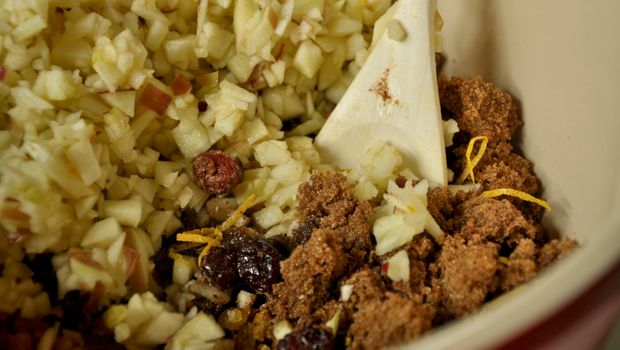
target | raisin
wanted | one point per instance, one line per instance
(216, 172)
(258, 263)
(308, 339)
(220, 268)
(243, 256)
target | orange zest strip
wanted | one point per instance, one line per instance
(234, 217)
(193, 237)
(471, 164)
(211, 236)
(517, 194)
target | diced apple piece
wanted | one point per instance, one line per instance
(156, 34)
(182, 270)
(398, 267)
(303, 7)
(84, 160)
(180, 85)
(192, 137)
(128, 212)
(102, 234)
(89, 275)
(268, 216)
(255, 130)
(115, 315)
(159, 329)
(213, 41)
(341, 25)
(288, 173)
(125, 101)
(180, 51)
(136, 312)
(208, 80)
(71, 53)
(308, 58)
(271, 153)
(202, 327)
(155, 99)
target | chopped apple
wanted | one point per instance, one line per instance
(308, 59)
(159, 329)
(125, 101)
(128, 212)
(102, 234)
(180, 85)
(398, 267)
(155, 99)
(271, 153)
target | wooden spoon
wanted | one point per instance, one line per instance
(393, 98)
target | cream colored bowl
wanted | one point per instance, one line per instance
(561, 60)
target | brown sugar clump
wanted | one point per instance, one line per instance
(479, 107)
(466, 274)
(326, 200)
(383, 322)
(520, 267)
(554, 250)
(367, 285)
(442, 205)
(309, 275)
(494, 220)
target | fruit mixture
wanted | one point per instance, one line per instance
(159, 186)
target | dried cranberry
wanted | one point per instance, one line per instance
(219, 266)
(216, 172)
(258, 263)
(308, 339)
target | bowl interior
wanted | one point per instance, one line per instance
(561, 61)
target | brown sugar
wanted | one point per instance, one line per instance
(466, 274)
(554, 250)
(366, 285)
(520, 267)
(494, 220)
(479, 107)
(309, 275)
(400, 319)
(327, 200)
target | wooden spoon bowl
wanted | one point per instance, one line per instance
(393, 98)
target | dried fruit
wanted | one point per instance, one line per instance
(219, 266)
(308, 339)
(216, 172)
(258, 263)
(243, 256)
